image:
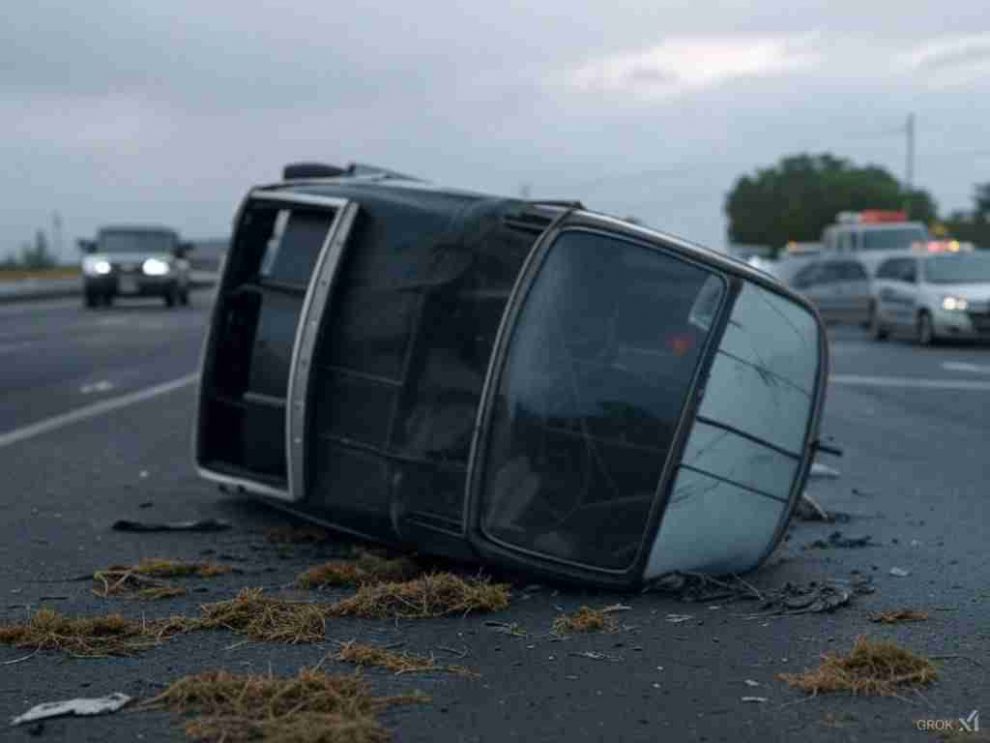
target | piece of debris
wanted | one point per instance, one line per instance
(308, 534)
(79, 707)
(873, 667)
(755, 700)
(837, 541)
(262, 618)
(750, 682)
(592, 655)
(98, 636)
(900, 572)
(899, 615)
(433, 595)
(203, 525)
(678, 618)
(585, 619)
(361, 655)
(507, 628)
(822, 470)
(808, 509)
(311, 706)
(367, 568)
(145, 580)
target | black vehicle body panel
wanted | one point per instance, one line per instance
(394, 366)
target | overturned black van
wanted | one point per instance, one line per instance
(528, 383)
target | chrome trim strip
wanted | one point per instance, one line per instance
(321, 286)
(261, 194)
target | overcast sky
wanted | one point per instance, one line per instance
(167, 112)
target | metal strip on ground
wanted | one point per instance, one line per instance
(91, 411)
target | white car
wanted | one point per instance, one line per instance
(934, 297)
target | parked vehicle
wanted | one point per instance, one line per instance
(933, 296)
(527, 383)
(838, 287)
(135, 262)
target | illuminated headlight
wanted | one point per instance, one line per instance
(96, 267)
(155, 267)
(954, 304)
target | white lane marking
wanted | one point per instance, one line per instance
(104, 385)
(91, 411)
(909, 382)
(965, 366)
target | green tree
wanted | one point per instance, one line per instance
(973, 226)
(38, 255)
(797, 198)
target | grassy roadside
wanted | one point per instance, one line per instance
(20, 274)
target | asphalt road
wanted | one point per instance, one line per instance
(914, 477)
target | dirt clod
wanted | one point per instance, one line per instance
(310, 707)
(585, 619)
(96, 636)
(263, 618)
(872, 668)
(433, 595)
(366, 569)
(896, 616)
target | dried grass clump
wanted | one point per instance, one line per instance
(98, 636)
(297, 535)
(367, 568)
(585, 619)
(433, 595)
(263, 618)
(899, 615)
(145, 580)
(311, 707)
(363, 655)
(874, 668)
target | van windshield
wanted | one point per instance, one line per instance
(893, 238)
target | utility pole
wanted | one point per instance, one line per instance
(909, 164)
(57, 237)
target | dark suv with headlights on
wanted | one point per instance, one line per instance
(135, 262)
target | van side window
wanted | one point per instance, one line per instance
(909, 271)
(852, 271)
(806, 277)
(888, 270)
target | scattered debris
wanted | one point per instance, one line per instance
(366, 569)
(98, 636)
(362, 655)
(678, 618)
(837, 541)
(433, 595)
(507, 628)
(877, 668)
(585, 619)
(311, 706)
(80, 707)
(262, 618)
(308, 534)
(808, 509)
(899, 615)
(592, 655)
(203, 525)
(751, 683)
(900, 572)
(145, 580)
(755, 700)
(822, 470)
(790, 598)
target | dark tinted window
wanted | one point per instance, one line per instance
(893, 238)
(597, 372)
(294, 245)
(888, 270)
(828, 273)
(851, 271)
(806, 277)
(136, 241)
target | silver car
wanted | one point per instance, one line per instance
(933, 297)
(839, 287)
(135, 262)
